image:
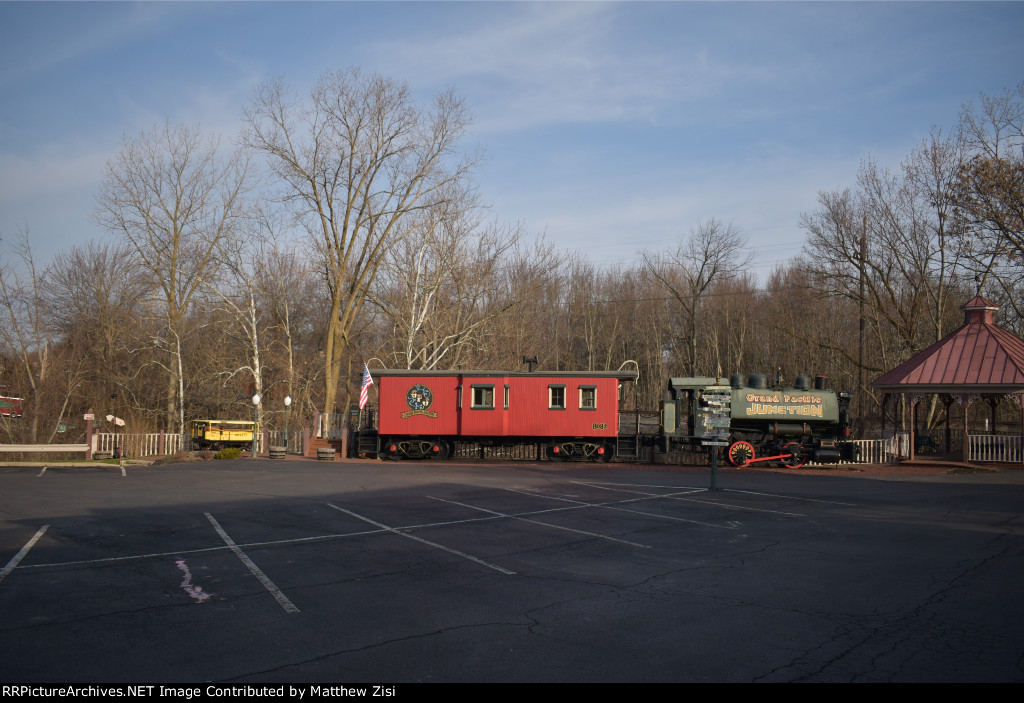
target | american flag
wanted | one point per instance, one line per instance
(364, 392)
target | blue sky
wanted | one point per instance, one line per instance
(609, 127)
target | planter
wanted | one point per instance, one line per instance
(325, 454)
(277, 452)
(102, 456)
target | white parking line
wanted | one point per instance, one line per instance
(42, 471)
(691, 500)
(728, 490)
(424, 541)
(615, 505)
(280, 597)
(263, 543)
(574, 505)
(545, 524)
(776, 495)
(21, 554)
(200, 550)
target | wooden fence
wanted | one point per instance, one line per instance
(293, 440)
(331, 425)
(139, 444)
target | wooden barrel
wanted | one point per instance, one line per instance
(277, 452)
(325, 454)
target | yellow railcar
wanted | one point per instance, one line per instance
(218, 434)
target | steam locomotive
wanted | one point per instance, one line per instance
(758, 423)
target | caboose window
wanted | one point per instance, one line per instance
(483, 397)
(588, 397)
(506, 396)
(556, 397)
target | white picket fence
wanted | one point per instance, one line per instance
(873, 451)
(137, 444)
(992, 447)
(997, 448)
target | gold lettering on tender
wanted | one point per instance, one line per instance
(763, 409)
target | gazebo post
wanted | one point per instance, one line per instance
(1019, 399)
(913, 424)
(885, 402)
(966, 448)
(947, 401)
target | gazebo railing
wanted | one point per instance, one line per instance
(872, 451)
(993, 447)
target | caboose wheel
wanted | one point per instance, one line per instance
(443, 450)
(797, 455)
(740, 453)
(559, 451)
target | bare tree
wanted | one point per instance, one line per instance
(174, 197)
(293, 302)
(27, 337)
(240, 257)
(354, 161)
(989, 193)
(92, 295)
(439, 287)
(712, 251)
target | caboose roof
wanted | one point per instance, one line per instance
(624, 375)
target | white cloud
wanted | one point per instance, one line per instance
(532, 64)
(70, 42)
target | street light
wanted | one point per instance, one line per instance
(255, 421)
(117, 451)
(287, 412)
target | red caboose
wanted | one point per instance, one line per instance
(574, 414)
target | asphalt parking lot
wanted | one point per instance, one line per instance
(261, 571)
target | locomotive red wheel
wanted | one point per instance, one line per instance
(797, 455)
(740, 453)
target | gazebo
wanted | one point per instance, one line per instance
(978, 361)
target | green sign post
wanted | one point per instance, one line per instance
(715, 408)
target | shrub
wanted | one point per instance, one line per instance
(229, 453)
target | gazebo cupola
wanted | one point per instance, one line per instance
(980, 312)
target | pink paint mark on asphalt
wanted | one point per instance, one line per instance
(194, 591)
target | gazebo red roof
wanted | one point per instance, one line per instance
(980, 357)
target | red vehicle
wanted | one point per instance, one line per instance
(9, 405)
(575, 415)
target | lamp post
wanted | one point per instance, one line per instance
(117, 451)
(287, 412)
(255, 421)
